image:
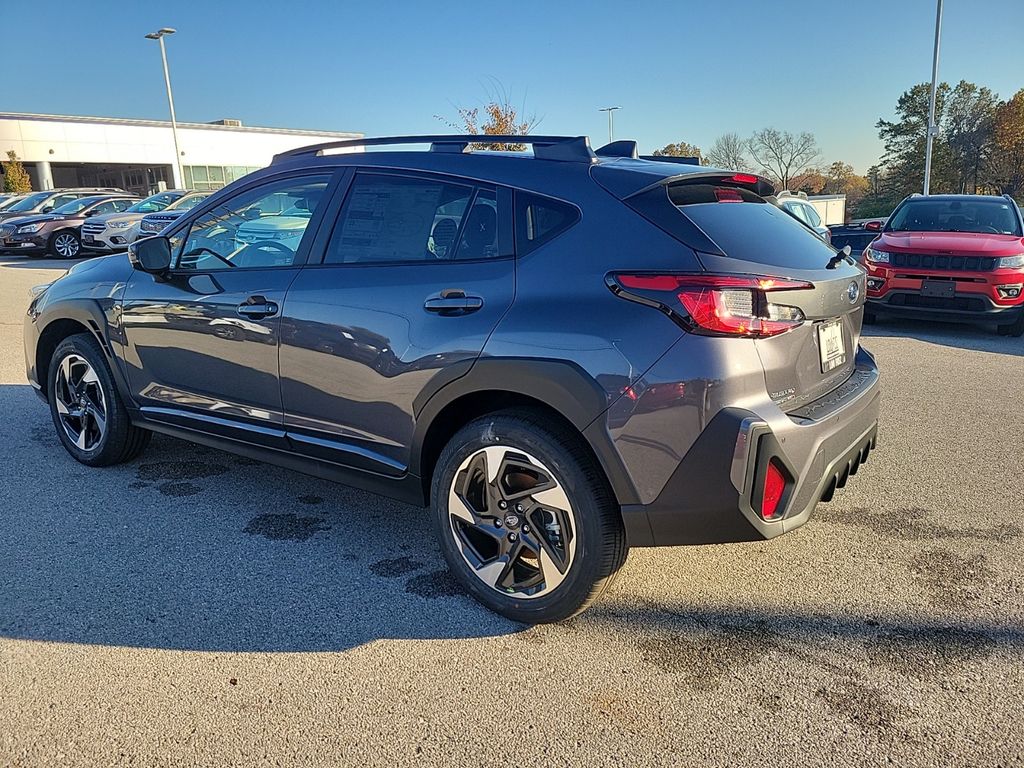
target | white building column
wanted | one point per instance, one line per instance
(43, 176)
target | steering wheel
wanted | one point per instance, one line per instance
(992, 229)
(202, 249)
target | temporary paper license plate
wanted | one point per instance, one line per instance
(831, 345)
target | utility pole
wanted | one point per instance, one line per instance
(933, 129)
(611, 121)
(159, 36)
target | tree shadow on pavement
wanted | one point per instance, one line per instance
(980, 338)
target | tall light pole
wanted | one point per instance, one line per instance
(933, 129)
(159, 36)
(611, 121)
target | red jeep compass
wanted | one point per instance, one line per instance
(950, 257)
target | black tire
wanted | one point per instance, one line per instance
(600, 541)
(1016, 328)
(119, 440)
(64, 240)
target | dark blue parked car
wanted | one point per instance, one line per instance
(564, 353)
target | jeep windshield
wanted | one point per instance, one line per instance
(983, 216)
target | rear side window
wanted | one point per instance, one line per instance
(746, 227)
(540, 219)
(397, 219)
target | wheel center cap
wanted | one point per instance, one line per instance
(511, 521)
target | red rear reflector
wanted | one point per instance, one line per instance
(726, 195)
(774, 485)
(744, 178)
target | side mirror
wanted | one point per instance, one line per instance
(87, 214)
(153, 255)
(46, 209)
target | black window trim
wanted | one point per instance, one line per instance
(333, 175)
(502, 194)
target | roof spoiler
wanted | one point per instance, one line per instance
(672, 159)
(563, 148)
(622, 148)
(756, 184)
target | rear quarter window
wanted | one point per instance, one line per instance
(540, 219)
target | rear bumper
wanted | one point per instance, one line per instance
(713, 493)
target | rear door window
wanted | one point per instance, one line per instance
(391, 219)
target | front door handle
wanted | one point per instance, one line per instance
(257, 307)
(453, 301)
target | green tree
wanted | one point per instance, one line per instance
(15, 176)
(905, 139)
(679, 149)
(968, 130)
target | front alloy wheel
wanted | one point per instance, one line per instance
(66, 245)
(512, 522)
(81, 404)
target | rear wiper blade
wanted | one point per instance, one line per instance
(839, 258)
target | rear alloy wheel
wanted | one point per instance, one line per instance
(526, 521)
(65, 244)
(92, 422)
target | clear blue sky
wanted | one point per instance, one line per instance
(680, 70)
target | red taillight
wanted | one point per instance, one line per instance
(728, 305)
(873, 225)
(774, 486)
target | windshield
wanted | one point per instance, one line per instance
(154, 203)
(75, 205)
(186, 203)
(30, 202)
(994, 217)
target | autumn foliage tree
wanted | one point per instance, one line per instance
(16, 178)
(497, 117)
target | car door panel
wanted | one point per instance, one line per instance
(360, 341)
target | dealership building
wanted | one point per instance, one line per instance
(138, 155)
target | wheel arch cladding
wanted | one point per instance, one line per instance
(52, 335)
(559, 389)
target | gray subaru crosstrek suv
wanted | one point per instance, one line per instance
(563, 353)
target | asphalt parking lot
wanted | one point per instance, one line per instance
(193, 607)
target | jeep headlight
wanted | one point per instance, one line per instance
(1005, 262)
(877, 257)
(29, 229)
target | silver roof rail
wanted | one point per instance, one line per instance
(565, 148)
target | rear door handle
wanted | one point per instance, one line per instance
(453, 302)
(257, 307)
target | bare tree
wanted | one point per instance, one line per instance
(781, 155)
(729, 152)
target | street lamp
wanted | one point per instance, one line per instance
(159, 35)
(611, 121)
(933, 129)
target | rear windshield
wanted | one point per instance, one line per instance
(749, 228)
(994, 217)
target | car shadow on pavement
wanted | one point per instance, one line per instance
(980, 338)
(191, 548)
(23, 262)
